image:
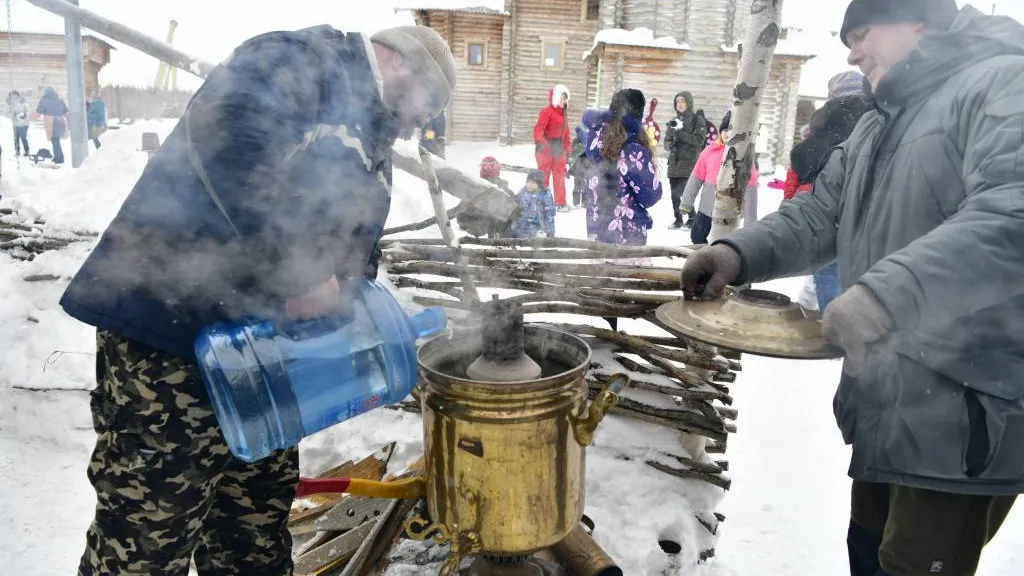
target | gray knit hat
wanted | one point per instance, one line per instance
(428, 54)
(846, 84)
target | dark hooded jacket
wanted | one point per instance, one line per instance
(923, 206)
(295, 142)
(830, 126)
(686, 136)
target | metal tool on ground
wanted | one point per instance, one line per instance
(754, 321)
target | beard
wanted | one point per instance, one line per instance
(396, 100)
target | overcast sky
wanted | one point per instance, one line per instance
(210, 29)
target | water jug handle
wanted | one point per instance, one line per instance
(429, 322)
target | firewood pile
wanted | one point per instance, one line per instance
(24, 239)
(676, 382)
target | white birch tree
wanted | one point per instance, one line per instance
(739, 157)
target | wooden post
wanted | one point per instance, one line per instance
(739, 157)
(78, 125)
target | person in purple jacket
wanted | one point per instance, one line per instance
(621, 179)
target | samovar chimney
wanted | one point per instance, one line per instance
(503, 357)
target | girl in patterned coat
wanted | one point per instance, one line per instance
(622, 179)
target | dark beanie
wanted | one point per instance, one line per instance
(628, 101)
(537, 176)
(936, 13)
(726, 122)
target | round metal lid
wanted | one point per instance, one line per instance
(752, 321)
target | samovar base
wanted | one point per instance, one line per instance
(503, 566)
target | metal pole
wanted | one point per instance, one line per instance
(77, 122)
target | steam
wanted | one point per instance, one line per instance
(300, 160)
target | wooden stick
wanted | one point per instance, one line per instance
(614, 249)
(469, 294)
(721, 482)
(640, 345)
(450, 288)
(632, 297)
(691, 420)
(490, 274)
(424, 223)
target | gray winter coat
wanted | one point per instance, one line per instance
(18, 111)
(924, 205)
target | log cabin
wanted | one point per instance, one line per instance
(35, 60)
(511, 52)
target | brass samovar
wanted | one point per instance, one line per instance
(506, 461)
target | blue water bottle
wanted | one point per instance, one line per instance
(273, 385)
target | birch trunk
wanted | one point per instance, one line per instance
(739, 157)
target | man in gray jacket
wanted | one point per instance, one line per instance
(923, 211)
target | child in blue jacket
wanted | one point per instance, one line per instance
(538, 209)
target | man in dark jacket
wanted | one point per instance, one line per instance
(686, 137)
(921, 209)
(434, 136)
(267, 198)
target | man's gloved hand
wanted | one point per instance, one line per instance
(709, 270)
(539, 147)
(856, 322)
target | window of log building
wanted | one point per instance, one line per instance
(592, 8)
(476, 53)
(552, 54)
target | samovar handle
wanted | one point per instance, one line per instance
(584, 428)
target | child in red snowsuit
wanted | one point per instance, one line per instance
(551, 136)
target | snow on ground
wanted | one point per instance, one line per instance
(786, 513)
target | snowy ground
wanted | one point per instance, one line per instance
(786, 513)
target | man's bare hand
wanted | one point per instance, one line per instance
(322, 300)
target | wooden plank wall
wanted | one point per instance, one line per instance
(38, 61)
(475, 108)
(556, 20)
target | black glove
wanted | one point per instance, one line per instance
(709, 270)
(856, 322)
(539, 148)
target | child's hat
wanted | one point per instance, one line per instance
(537, 176)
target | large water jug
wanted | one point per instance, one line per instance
(272, 385)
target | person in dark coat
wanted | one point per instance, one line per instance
(96, 115)
(54, 112)
(921, 209)
(829, 127)
(577, 168)
(686, 136)
(434, 135)
(267, 200)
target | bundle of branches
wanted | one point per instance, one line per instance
(677, 383)
(25, 239)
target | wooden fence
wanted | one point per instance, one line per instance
(141, 103)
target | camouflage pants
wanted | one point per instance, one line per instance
(167, 486)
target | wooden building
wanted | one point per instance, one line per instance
(38, 60)
(511, 52)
